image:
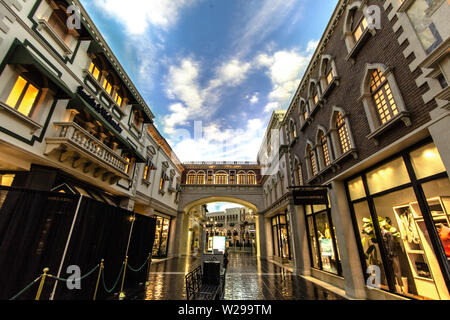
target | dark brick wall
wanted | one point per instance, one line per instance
(381, 48)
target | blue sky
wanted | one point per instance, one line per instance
(212, 71)
(221, 206)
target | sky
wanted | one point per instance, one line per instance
(212, 71)
(221, 206)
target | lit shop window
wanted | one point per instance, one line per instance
(388, 176)
(357, 33)
(94, 70)
(382, 96)
(427, 161)
(23, 96)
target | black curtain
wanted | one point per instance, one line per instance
(34, 226)
(141, 246)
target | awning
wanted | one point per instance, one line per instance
(78, 103)
(20, 55)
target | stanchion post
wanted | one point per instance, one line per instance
(102, 266)
(122, 294)
(148, 268)
(41, 284)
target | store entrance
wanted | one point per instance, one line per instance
(162, 233)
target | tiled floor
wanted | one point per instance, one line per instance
(248, 278)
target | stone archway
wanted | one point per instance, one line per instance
(182, 227)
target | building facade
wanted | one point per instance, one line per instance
(72, 121)
(369, 123)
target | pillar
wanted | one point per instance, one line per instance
(440, 131)
(299, 240)
(261, 248)
(345, 236)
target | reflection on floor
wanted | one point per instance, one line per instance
(248, 278)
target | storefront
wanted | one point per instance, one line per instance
(162, 234)
(281, 237)
(400, 210)
(323, 247)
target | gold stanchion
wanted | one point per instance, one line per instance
(148, 268)
(122, 294)
(102, 266)
(41, 284)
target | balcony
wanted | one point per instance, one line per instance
(76, 146)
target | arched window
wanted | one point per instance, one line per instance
(251, 177)
(201, 177)
(312, 160)
(328, 74)
(304, 114)
(342, 131)
(191, 178)
(323, 146)
(314, 95)
(299, 173)
(292, 131)
(221, 178)
(382, 97)
(241, 177)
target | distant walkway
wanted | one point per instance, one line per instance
(248, 278)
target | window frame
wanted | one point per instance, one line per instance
(23, 93)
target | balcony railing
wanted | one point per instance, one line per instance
(70, 133)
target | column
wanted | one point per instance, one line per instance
(345, 236)
(181, 232)
(299, 240)
(440, 131)
(260, 237)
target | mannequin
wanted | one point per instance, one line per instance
(392, 253)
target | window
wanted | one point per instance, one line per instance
(312, 160)
(210, 178)
(118, 99)
(382, 97)
(241, 178)
(138, 120)
(107, 86)
(281, 237)
(201, 178)
(324, 147)
(299, 174)
(162, 182)
(322, 240)
(342, 130)
(251, 178)
(57, 22)
(7, 179)
(420, 13)
(221, 178)
(360, 28)
(23, 96)
(303, 112)
(393, 232)
(94, 70)
(191, 178)
(292, 131)
(147, 171)
(129, 166)
(330, 76)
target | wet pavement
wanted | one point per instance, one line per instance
(247, 278)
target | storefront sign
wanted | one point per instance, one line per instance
(102, 111)
(306, 197)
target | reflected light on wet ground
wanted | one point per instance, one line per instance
(248, 278)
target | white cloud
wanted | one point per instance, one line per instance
(138, 15)
(284, 68)
(221, 144)
(253, 99)
(221, 206)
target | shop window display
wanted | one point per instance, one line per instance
(323, 245)
(409, 262)
(160, 244)
(281, 237)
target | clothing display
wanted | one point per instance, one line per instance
(408, 228)
(444, 234)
